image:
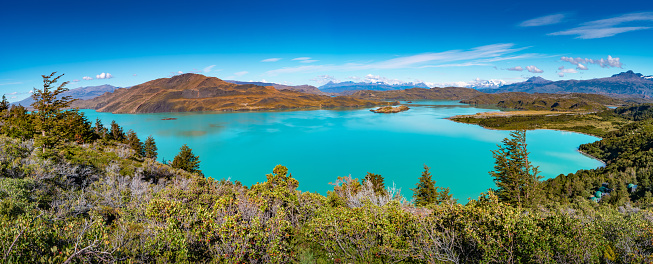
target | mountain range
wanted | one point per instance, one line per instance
(623, 85)
(194, 92)
(82, 93)
(448, 93)
(348, 88)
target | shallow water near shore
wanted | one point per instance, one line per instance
(317, 146)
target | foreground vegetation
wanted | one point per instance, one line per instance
(90, 194)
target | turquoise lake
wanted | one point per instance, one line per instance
(317, 146)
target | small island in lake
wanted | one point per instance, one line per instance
(169, 118)
(390, 109)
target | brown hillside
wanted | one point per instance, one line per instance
(194, 92)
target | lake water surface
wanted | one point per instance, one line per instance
(317, 146)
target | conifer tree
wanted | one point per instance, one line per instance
(135, 143)
(4, 104)
(149, 147)
(377, 182)
(116, 132)
(18, 123)
(48, 105)
(100, 130)
(426, 192)
(515, 177)
(185, 160)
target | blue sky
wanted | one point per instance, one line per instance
(125, 43)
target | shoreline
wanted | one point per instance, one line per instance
(592, 157)
(553, 129)
(289, 109)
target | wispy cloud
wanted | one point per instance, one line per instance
(581, 63)
(209, 68)
(104, 76)
(11, 83)
(543, 21)
(465, 64)
(271, 60)
(474, 56)
(533, 69)
(516, 68)
(305, 60)
(86, 78)
(609, 27)
(241, 73)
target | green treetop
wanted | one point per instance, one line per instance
(185, 160)
(116, 132)
(377, 182)
(149, 148)
(48, 106)
(135, 143)
(4, 104)
(515, 177)
(426, 192)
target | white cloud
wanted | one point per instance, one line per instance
(474, 56)
(609, 27)
(11, 83)
(180, 72)
(271, 60)
(376, 79)
(86, 78)
(75, 80)
(581, 67)
(104, 76)
(322, 79)
(304, 60)
(543, 21)
(209, 68)
(241, 73)
(516, 68)
(610, 62)
(562, 71)
(533, 69)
